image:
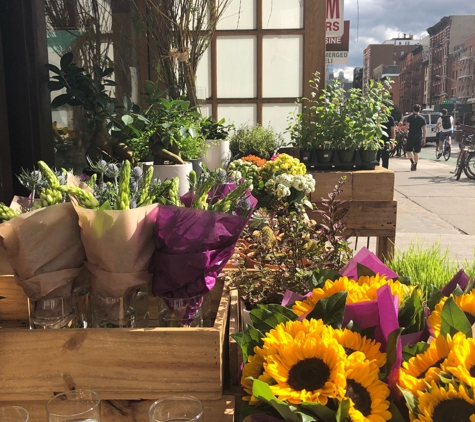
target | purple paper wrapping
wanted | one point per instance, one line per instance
(291, 297)
(192, 247)
(368, 259)
(460, 278)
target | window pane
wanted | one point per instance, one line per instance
(277, 115)
(240, 14)
(236, 74)
(203, 76)
(238, 114)
(205, 110)
(282, 66)
(278, 14)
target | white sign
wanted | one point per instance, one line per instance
(334, 24)
(336, 57)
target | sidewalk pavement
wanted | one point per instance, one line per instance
(433, 207)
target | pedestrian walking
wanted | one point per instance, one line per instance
(416, 135)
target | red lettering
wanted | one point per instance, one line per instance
(333, 9)
(336, 26)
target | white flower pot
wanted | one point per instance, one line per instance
(218, 154)
(169, 171)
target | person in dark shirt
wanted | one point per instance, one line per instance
(389, 142)
(416, 135)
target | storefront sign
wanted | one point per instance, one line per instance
(334, 18)
(340, 43)
(336, 57)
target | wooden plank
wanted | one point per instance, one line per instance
(367, 216)
(373, 185)
(117, 363)
(221, 410)
(235, 352)
(325, 181)
(14, 306)
(385, 247)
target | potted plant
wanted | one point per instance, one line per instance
(369, 113)
(255, 140)
(215, 134)
(89, 91)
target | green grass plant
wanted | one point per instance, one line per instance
(428, 266)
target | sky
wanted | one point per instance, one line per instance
(375, 21)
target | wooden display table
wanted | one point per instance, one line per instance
(369, 196)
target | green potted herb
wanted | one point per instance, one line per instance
(255, 140)
(216, 135)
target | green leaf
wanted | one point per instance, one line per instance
(53, 68)
(454, 320)
(55, 85)
(262, 391)
(248, 339)
(60, 100)
(412, 350)
(363, 271)
(343, 410)
(435, 296)
(391, 349)
(457, 291)
(127, 119)
(396, 414)
(330, 309)
(411, 400)
(97, 70)
(107, 72)
(106, 206)
(66, 60)
(319, 277)
(322, 412)
(266, 317)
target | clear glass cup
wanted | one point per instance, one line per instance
(184, 312)
(51, 313)
(74, 406)
(176, 409)
(114, 312)
(14, 414)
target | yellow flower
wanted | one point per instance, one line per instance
(353, 342)
(445, 405)
(253, 368)
(465, 302)
(368, 395)
(425, 367)
(461, 359)
(305, 361)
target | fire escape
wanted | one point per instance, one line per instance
(464, 78)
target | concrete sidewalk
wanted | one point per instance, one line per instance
(433, 206)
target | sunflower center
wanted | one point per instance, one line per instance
(455, 410)
(360, 396)
(435, 365)
(470, 317)
(309, 374)
(349, 351)
(472, 371)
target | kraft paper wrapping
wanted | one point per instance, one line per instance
(45, 251)
(119, 245)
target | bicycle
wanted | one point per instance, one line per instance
(400, 149)
(466, 157)
(446, 149)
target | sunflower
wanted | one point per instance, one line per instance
(368, 395)
(307, 365)
(253, 369)
(441, 405)
(343, 284)
(465, 302)
(425, 367)
(461, 359)
(373, 283)
(354, 342)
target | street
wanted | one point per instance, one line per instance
(433, 206)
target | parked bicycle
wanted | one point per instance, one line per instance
(466, 157)
(446, 149)
(400, 149)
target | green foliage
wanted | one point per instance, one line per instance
(454, 320)
(427, 266)
(255, 140)
(212, 129)
(330, 309)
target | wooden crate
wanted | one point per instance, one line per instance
(221, 410)
(235, 352)
(127, 364)
(360, 185)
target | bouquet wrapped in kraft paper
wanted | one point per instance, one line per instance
(118, 241)
(193, 245)
(43, 247)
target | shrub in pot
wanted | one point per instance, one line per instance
(255, 140)
(215, 134)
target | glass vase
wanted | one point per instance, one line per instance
(14, 414)
(51, 313)
(74, 406)
(184, 312)
(176, 408)
(114, 312)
